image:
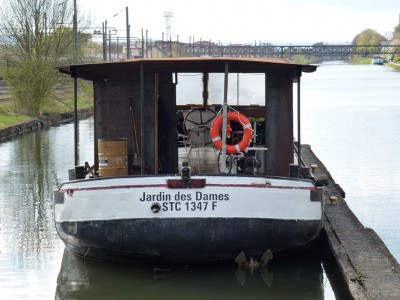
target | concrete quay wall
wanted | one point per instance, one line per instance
(42, 121)
(367, 266)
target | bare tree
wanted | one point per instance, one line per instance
(37, 35)
(37, 29)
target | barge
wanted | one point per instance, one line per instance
(197, 178)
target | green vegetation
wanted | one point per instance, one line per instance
(61, 101)
(394, 66)
(31, 83)
(368, 37)
(36, 40)
(396, 40)
(360, 60)
(8, 118)
(299, 59)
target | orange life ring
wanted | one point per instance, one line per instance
(247, 133)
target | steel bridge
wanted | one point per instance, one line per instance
(289, 51)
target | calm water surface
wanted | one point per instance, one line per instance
(34, 264)
(350, 117)
(30, 251)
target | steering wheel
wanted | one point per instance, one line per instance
(200, 116)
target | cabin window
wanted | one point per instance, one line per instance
(243, 89)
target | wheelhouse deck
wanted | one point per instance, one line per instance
(137, 100)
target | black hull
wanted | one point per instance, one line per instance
(184, 240)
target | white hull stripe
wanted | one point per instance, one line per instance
(141, 186)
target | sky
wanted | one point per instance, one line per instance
(250, 21)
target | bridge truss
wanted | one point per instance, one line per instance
(288, 51)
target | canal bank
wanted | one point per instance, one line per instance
(367, 266)
(42, 121)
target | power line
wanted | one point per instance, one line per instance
(118, 13)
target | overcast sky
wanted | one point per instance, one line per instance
(278, 21)
(234, 21)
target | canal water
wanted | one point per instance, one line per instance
(351, 117)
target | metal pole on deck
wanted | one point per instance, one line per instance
(298, 119)
(75, 32)
(141, 118)
(224, 119)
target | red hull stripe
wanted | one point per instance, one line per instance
(141, 186)
(254, 185)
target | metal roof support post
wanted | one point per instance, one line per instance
(205, 88)
(224, 119)
(279, 125)
(237, 89)
(298, 118)
(141, 118)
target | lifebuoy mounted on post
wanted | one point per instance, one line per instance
(247, 133)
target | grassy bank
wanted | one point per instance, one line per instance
(367, 60)
(61, 102)
(360, 60)
(7, 119)
(394, 65)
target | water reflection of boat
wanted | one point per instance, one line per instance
(245, 194)
(293, 278)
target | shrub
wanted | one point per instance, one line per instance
(31, 83)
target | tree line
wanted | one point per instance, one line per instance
(372, 37)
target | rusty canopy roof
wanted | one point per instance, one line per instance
(95, 71)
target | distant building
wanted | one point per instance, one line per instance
(136, 50)
(204, 43)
